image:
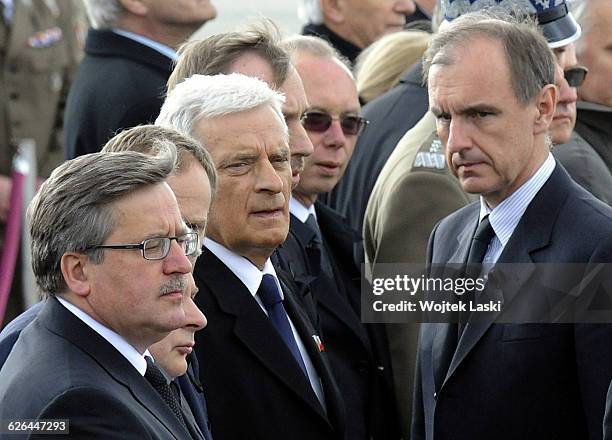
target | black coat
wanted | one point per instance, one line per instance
(254, 388)
(391, 115)
(358, 352)
(529, 381)
(62, 369)
(119, 84)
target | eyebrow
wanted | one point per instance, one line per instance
(353, 111)
(468, 110)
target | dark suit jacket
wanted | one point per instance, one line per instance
(61, 368)
(358, 353)
(119, 84)
(530, 381)
(586, 167)
(254, 387)
(189, 383)
(391, 115)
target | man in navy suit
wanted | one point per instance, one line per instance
(85, 355)
(262, 360)
(128, 57)
(481, 379)
(193, 183)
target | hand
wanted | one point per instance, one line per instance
(5, 197)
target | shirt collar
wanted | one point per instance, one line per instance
(122, 346)
(247, 272)
(300, 211)
(155, 45)
(505, 217)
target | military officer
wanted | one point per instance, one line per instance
(39, 49)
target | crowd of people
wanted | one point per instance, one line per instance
(211, 211)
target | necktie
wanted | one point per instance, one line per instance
(311, 221)
(157, 379)
(270, 297)
(478, 248)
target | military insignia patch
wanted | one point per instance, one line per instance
(45, 38)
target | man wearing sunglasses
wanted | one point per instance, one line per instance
(571, 149)
(357, 352)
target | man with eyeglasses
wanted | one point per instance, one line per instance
(192, 182)
(113, 258)
(326, 243)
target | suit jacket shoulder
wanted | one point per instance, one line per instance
(120, 83)
(61, 368)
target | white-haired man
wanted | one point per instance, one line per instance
(262, 362)
(128, 58)
(352, 25)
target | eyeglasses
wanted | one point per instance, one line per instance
(320, 121)
(157, 248)
(575, 76)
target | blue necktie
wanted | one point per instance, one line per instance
(157, 379)
(270, 297)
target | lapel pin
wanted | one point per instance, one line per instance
(319, 343)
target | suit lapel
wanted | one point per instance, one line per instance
(307, 333)
(253, 328)
(60, 321)
(533, 233)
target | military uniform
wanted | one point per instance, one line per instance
(39, 52)
(414, 191)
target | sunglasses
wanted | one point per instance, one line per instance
(575, 76)
(320, 121)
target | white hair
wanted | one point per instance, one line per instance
(203, 96)
(103, 14)
(310, 11)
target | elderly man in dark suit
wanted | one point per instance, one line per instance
(262, 361)
(85, 356)
(481, 379)
(328, 247)
(128, 57)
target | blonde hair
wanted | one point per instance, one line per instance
(380, 66)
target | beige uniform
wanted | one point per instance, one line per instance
(39, 51)
(40, 47)
(414, 191)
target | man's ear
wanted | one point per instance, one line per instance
(546, 102)
(74, 267)
(136, 7)
(334, 11)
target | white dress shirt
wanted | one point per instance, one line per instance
(300, 211)
(155, 45)
(505, 217)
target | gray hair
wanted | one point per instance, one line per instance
(104, 14)
(216, 53)
(74, 208)
(530, 61)
(207, 97)
(310, 11)
(314, 46)
(147, 138)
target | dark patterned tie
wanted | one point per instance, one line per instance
(157, 379)
(270, 297)
(326, 267)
